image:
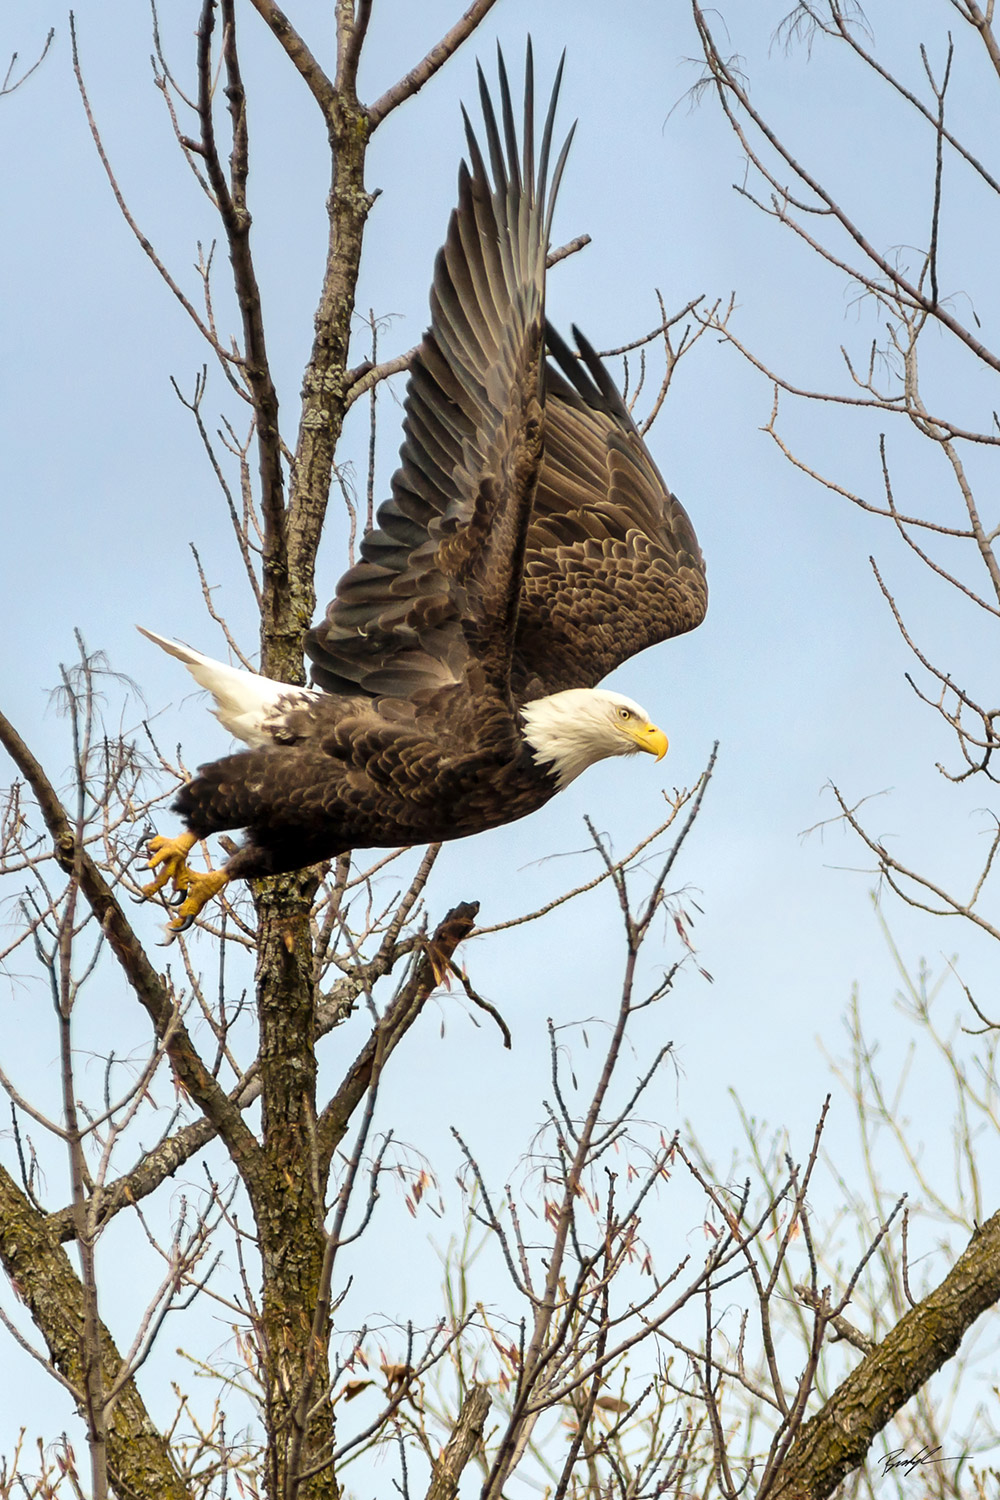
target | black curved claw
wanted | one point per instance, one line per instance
(138, 900)
(141, 850)
(177, 899)
(174, 930)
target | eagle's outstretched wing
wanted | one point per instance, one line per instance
(465, 583)
(433, 602)
(612, 562)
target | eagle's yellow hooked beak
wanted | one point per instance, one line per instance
(650, 739)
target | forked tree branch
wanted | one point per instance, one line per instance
(226, 355)
(845, 33)
(319, 85)
(390, 1030)
(834, 1442)
(37, 1265)
(10, 84)
(429, 65)
(730, 89)
(170, 1154)
(895, 405)
(150, 990)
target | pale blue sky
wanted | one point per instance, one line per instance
(798, 671)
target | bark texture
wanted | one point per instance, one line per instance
(461, 1445)
(40, 1271)
(834, 1442)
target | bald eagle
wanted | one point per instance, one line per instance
(530, 546)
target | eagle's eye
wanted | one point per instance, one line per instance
(624, 714)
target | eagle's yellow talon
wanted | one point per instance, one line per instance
(200, 890)
(171, 855)
(155, 885)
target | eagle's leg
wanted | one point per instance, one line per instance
(199, 890)
(171, 855)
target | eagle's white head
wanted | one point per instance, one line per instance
(572, 730)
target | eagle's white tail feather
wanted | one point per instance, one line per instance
(248, 705)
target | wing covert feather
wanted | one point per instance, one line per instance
(612, 564)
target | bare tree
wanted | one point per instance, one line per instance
(302, 1166)
(925, 337)
(600, 1371)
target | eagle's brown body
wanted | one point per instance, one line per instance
(357, 785)
(529, 547)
